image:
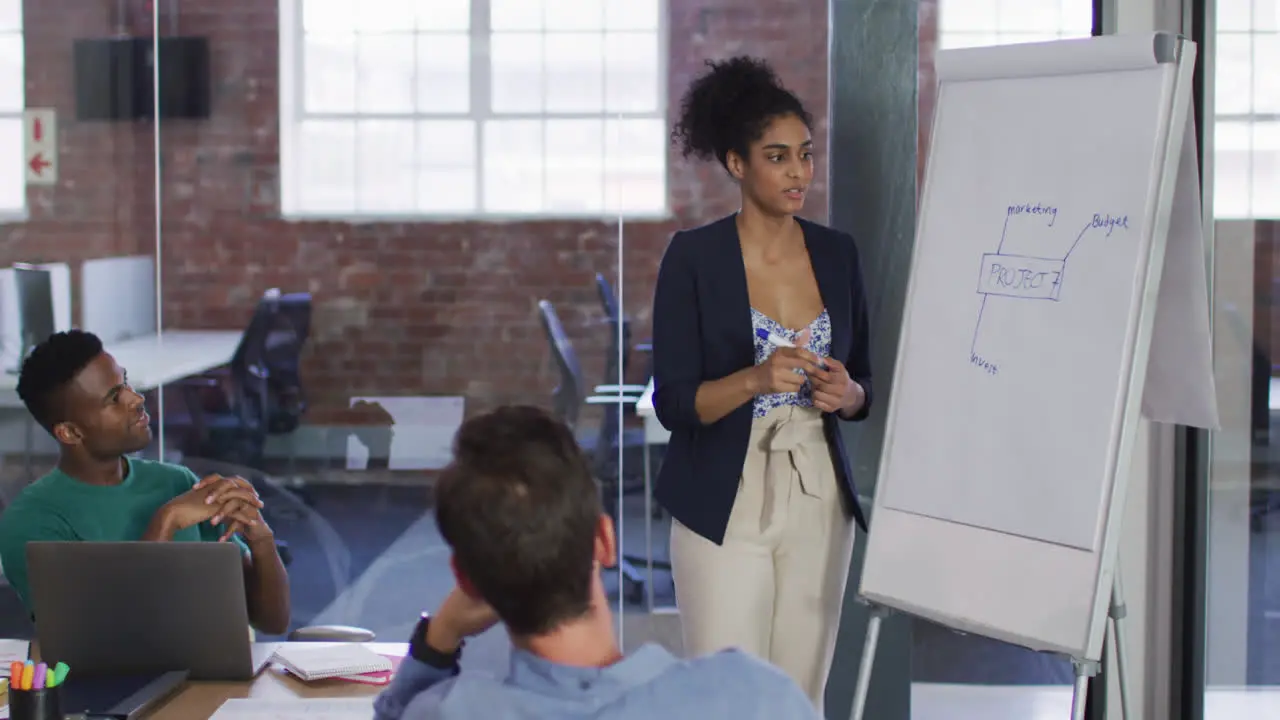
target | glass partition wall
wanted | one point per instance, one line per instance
(77, 210)
(397, 215)
(410, 212)
(346, 227)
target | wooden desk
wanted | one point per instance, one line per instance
(150, 360)
(200, 700)
(155, 360)
(654, 433)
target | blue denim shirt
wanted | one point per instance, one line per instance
(650, 683)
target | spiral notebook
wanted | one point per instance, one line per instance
(330, 661)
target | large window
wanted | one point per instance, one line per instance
(1242, 609)
(489, 108)
(1247, 98)
(13, 183)
(976, 23)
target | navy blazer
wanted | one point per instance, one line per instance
(702, 331)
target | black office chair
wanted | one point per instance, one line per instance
(613, 314)
(287, 398)
(230, 414)
(568, 399)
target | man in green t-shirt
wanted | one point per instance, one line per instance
(78, 393)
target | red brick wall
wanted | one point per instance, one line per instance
(401, 308)
(99, 208)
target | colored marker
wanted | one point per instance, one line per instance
(774, 339)
(39, 676)
(778, 341)
(28, 675)
(60, 673)
(15, 675)
(49, 678)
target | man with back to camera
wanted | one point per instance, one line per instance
(78, 393)
(521, 513)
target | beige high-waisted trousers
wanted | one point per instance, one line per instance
(776, 586)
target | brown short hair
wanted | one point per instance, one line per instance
(519, 508)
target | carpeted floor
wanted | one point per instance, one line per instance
(373, 558)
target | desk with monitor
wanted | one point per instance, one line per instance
(155, 360)
(654, 432)
(151, 361)
(35, 300)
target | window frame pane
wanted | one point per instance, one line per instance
(13, 199)
(301, 202)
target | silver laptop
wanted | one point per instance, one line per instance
(131, 608)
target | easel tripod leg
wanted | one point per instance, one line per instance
(868, 659)
(1118, 612)
(1085, 669)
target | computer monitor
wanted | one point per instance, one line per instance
(35, 306)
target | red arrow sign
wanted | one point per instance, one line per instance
(37, 130)
(38, 164)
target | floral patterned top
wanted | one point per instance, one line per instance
(819, 344)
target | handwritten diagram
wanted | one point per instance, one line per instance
(1028, 276)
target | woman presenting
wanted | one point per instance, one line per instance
(759, 348)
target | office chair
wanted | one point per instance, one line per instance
(284, 377)
(613, 314)
(568, 399)
(230, 414)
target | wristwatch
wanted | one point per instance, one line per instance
(422, 652)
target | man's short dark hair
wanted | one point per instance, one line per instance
(49, 368)
(519, 507)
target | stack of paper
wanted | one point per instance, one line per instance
(342, 660)
(296, 709)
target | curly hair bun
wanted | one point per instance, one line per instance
(729, 106)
